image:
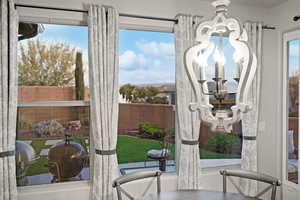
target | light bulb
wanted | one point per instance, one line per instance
(237, 56)
(219, 57)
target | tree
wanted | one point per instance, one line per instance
(43, 64)
(127, 92)
(294, 95)
(139, 94)
(79, 79)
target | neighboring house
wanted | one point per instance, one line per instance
(168, 91)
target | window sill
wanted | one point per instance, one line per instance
(209, 167)
(80, 185)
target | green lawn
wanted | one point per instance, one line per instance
(129, 149)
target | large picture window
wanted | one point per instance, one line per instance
(147, 107)
(146, 130)
(53, 104)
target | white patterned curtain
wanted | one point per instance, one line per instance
(8, 97)
(104, 74)
(188, 123)
(250, 119)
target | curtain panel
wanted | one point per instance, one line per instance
(188, 123)
(103, 74)
(250, 120)
(8, 96)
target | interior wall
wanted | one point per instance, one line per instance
(281, 16)
(170, 8)
(158, 8)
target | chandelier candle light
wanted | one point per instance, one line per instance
(219, 118)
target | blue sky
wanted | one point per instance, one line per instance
(145, 57)
(294, 57)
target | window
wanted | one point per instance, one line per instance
(147, 98)
(147, 62)
(291, 107)
(53, 109)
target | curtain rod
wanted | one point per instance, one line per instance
(120, 14)
(85, 11)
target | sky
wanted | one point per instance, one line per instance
(294, 59)
(147, 58)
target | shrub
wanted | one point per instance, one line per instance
(148, 129)
(221, 143)
(170, 132)
(48, 128)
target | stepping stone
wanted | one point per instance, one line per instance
(27, 141)
(44, 152)
(52, 142)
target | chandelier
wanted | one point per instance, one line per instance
(211, 37)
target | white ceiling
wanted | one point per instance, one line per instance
(259, 3)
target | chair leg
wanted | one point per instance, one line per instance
(273, 195)
(145, 162)
(162, 165)
(224, 183)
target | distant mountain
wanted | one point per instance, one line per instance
(156, 84)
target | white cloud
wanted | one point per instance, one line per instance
(160, 49)
(148, 77)
(129, 60)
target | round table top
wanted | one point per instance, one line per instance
(195, 195)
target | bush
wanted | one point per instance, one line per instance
(48, 129)
(170, 132)
(221, 143)
(148, 129)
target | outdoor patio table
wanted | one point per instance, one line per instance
(195, 195)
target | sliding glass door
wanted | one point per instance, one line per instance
(291, 107)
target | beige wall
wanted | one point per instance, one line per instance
(131, 115)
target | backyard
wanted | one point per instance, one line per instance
(129, 149)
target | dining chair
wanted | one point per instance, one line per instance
(133, 177)
(271, 181)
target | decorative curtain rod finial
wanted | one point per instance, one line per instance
(296, 18)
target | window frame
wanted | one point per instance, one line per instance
(75, 103)
(287, 37)
(80, 19)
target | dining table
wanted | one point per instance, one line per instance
(195, 195)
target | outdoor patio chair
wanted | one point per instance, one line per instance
(133, 177)
(273, 182)
(160, 155)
